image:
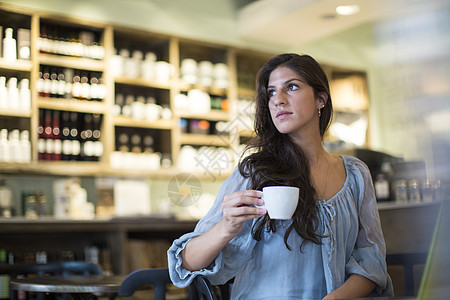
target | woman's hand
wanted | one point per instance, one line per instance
(239, 207)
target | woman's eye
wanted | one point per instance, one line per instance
(293, 87)
(271, 93)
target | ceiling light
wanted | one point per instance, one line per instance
(347, 10)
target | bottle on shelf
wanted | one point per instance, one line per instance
(9, 46)
(13, 93)
(66, 151)
(25, 146)
(123, 142)
(56, 134)
(96, 136)
(6, 209)
(4, 146)
(48, 136)
(76, 86)
(62, 85)
(136, 143)
(14, 146)
(87, 145)
(54, 84)
(3, 93)
(95, 93)
(85, 88)
(41, 137)
(24, 43)
(46, 83)
(74, 136)
(68, 76)
(24, 95)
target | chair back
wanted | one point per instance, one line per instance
(202, 289)
(158, 278)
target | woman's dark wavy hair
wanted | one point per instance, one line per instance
(276, 160)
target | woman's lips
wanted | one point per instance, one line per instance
(283, 114)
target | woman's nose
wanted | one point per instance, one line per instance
(279, 99)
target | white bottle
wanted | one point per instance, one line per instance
(24, 95)
(3, 93)
(4, 146)
(14, 146)
(25, 146)
(13, 93)
(9, 46)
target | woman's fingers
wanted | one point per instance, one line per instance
(239, 207)
(242, 204)
(247, 197)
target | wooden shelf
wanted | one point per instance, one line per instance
(242, 67)
(213, 115)
(246, 133)
(73, 105)
(18, 65)
(72, 62)
(130, 122)
(142, 82)
(246, 93)
(15, 113)
(205, 140)
(210, 90)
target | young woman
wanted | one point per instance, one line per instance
(333, 247)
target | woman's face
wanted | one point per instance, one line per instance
(292, 104)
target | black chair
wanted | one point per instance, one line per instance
(407, 261)
(158, 278)
(202, 289)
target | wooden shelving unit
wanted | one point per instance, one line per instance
(242, 69)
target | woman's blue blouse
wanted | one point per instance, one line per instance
(266, 269)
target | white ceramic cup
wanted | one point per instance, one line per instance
(280, 201)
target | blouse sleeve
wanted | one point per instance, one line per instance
(240, 247)
(368, 257)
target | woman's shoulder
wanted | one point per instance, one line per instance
(354, 162)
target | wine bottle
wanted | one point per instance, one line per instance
(47, 83)
(48, 136)
(40, 84)
(96, 136)
(85, 88)
(74, 136)
(61, 85)
(76, 86)
(41, 138)
(56, 130)
(87, 144)
(66, 153)
(54, 85)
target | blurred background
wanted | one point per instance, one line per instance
(135, 112)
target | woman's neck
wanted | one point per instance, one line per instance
(313, 149)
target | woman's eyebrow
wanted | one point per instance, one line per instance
(287, 81)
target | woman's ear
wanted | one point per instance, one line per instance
(322, 99)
